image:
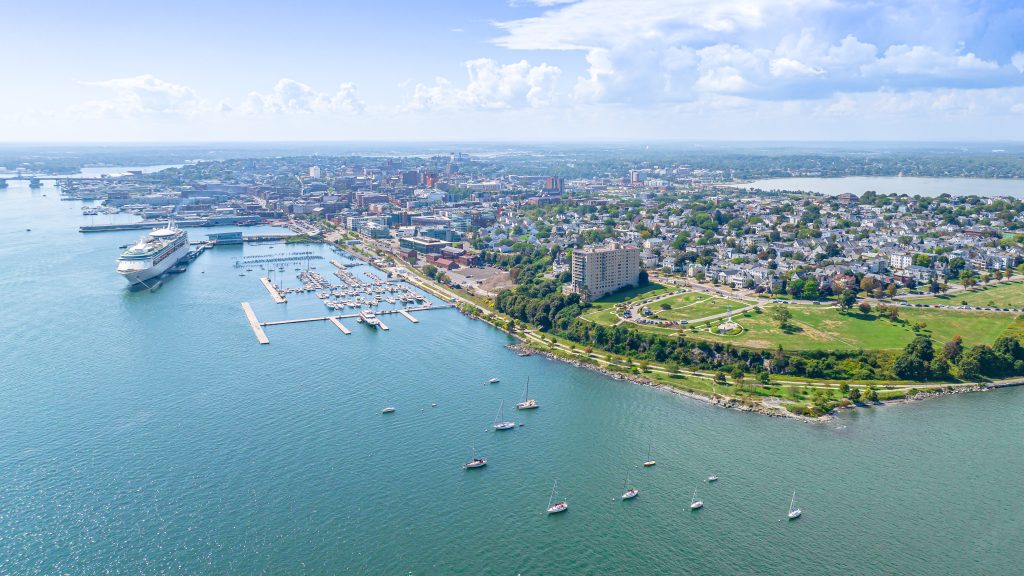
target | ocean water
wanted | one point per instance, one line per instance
(148, 433)
(911, 186)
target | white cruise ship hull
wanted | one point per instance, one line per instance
(145, 274)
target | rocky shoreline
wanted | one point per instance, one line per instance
(722, 402)
(763, 408)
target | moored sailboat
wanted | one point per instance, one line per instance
(475, 462)
(499, 419)
(559, 506)
(794, 512)
(628, 491)
(694, 503)
(527, 402)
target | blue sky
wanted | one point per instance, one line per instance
(524, 70)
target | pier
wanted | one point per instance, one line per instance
(273, 291)
(257, 329)
(340, 326)
(409, 316)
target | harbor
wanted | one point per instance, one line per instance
(284, 435)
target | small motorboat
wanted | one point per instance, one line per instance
(493, 381)
(712, 478)
(388, 410)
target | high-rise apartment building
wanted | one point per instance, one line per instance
(601, 270)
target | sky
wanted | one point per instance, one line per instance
(519, 70)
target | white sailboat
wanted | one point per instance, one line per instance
(629, 492)
(694, 503)
(499, 419)
(649, 462)
(794, 512)
(527, 403)
(556, 507)
(475, 462)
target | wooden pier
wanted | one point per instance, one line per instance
(409, 316)
(257, 329)
(340, 325)
(273, 291)
(382, 325)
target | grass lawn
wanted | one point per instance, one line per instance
(694, 305)
(1002, 295)
(647, 291)
(824, 328)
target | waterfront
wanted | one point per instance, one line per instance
(149, 432)
(911, 186)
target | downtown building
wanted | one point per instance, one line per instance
(601, 270)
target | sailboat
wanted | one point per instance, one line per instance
(794, 512)
(694, 503)
(475, 462)
(560, 506)
(629, 493)
(649, 462)
(499, 419)
(527, 403)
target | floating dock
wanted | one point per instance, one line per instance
(409, 316)
(340, 325)
(257, 329)
(273, 291)
(382, 325)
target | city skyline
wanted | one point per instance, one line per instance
(546, 70)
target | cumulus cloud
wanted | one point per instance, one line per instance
(293, 97)
(137, 95)
(491, 85)
(664, 52)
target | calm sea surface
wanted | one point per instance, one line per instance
(911, 186)
(148, 433)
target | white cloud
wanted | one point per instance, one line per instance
(1018, 61)
(145, 94)
(663, 52)
(292, 97)
(923, 60)
(491, 86)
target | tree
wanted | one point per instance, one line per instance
(871, 395)
(720, 378)
(864, 307)
(847, 299)
(890, 290)
(764, 379)
(854, 394)
(844, 389)
(893, 313)
(869, 284)
(953, 349)
(810, 291)
(782, 315)
(737, 374)
(966, 278)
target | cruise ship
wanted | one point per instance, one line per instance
(152, 255)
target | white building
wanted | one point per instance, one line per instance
(314, 171)
(900, 261)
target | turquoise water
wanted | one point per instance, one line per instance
(145, 433)
(911, 186)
